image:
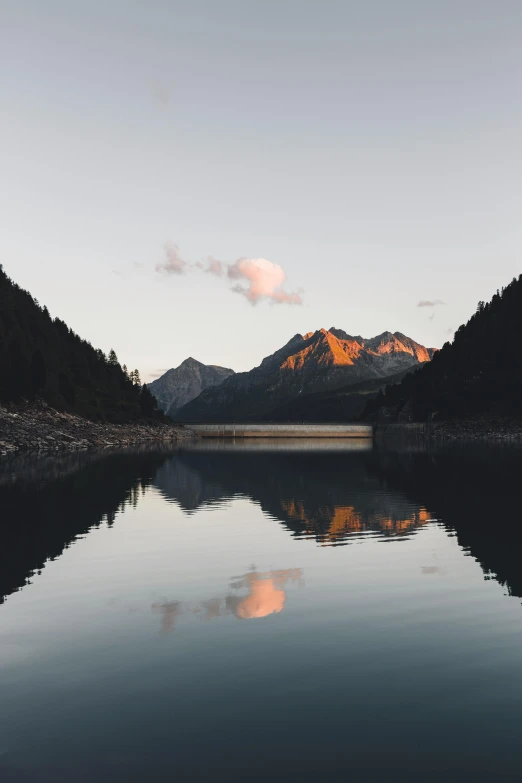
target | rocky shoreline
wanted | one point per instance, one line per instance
(472, 429)
(37, 427)
(477, 429)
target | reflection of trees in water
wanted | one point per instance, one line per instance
(265, 595)
(329, 497)
(332, 497)
(474, 489)
(50, 503)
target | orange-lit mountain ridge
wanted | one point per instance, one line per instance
(315, 362)
(335, 348)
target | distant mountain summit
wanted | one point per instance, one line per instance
(182, 384)
(317, 361)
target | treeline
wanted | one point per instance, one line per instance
(479, 373)
(40, 357)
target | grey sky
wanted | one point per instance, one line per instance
(369, 148)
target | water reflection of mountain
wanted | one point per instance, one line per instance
(328, 495)
(178, 481)
(333, 496)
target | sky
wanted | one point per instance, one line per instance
(202, 178)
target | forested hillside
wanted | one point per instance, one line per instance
(40, 357)
(340, 405)
(479, 374)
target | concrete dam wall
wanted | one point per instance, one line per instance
(282, 430)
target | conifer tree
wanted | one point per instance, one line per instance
(148, 403)
(479, 373)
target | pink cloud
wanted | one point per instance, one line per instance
(257, 278)
(173, 264)
(264, 280)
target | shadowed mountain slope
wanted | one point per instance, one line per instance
(340, 405)
(182, 384)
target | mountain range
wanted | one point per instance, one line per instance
(320, 361)
(182, 384)
(326, 375)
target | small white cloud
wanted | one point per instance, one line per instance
(430, 303)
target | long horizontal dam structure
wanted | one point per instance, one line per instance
(282, 430)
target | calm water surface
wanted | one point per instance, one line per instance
(285, 611)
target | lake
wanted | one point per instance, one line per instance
(262, 611)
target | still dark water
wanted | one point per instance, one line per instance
(231, 613)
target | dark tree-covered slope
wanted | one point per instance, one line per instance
(478, 374)
(41, 357)
(340, 405)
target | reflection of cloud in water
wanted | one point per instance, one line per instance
(265, 595)
(170, 610)
(432, 570)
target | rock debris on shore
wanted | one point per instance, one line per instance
(478, 429)
(37, 427)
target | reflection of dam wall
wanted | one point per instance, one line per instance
(282, 444)
(283, 430)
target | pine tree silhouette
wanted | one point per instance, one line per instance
(42, 357)
(479, 373)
